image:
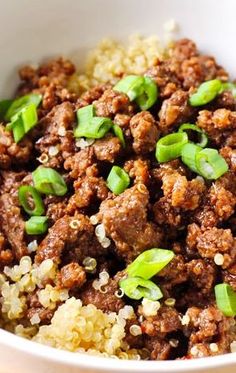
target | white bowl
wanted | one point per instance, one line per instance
(31, 30)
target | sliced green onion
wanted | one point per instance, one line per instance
(228, 86)
(132, 85)
(119, 133)
(95, 129)
(188, 155)
(27, 191)
(118, 180)
(142, 89)
(226, 299)
(210, 164)
(137, 288)
(149, 96)
(4, 106)
(149, 263)
(19, 104)
(29, 116)
(187, 127)
(23, 122)
(85, 114)
(36, 225)
(91, 126)
(48, 181)
(169, 147)
(206, 92)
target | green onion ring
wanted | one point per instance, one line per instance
(23, 192)
(137, 288)
(149, 263)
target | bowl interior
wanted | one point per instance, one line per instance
(31, 31)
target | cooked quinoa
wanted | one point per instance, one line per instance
(64, 287)
(111, 59)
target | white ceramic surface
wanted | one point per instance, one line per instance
(31, 30)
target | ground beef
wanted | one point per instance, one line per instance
(198, 69)
(230, 278)
(191, 68)
(12, 153)
(105, 300)
(125, 221)
(36, 308)
(44, 314)
(229, 155)
(208, 325)
(134, 341)
(174, 273)
(62, 237)
(164, 78)
(107, 149)
(111, 103)
(159, 348)
(144, 132)
(164, 213)
(12, 225)
(184, 49)
(58, 142)
(81, 163)
(217, 205)
(55, 207)
(202, 274)
(225, 100)
(72, 275)
(166, 321)
(212, 241)
(181, 192)
(91, 95)
(138, 169)
(180, 195)
(50, 79)
(11, 181)
(88, 189)
(216, 123)
(175, 110)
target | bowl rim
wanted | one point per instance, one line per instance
(81, 360)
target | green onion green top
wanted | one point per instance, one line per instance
(149, 263)
(22, 114)
(169, 147)
(4, 106)
(20, 103)
(95, 129)
(30, 200)
(188, 156)
(85, 114)
(91, 126)
(210, 164)
(140, 88)
(131, 85)
(23, 121)
(226, 299)
(118, 180)
(193, 129)
(206, 93)
(119, 133)
(137, 288)
(149, 96)
(48, 181)
(36, 225)
(228, 86)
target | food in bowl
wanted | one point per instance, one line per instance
(117, 208)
